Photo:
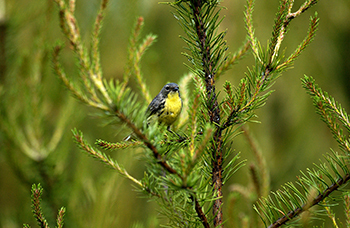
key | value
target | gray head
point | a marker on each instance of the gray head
(170, 87)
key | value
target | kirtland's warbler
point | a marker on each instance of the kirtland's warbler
(166, 106)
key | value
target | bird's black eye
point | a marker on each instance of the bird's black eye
(167, 87)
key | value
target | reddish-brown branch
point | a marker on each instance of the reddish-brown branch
(145, 140)
(36, 198)
(213, 111)
(292, 214)
(200, 212)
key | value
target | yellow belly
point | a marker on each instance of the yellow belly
(172, 109)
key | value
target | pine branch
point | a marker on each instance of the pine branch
(254, 100)
(292, 201)
(248, 18)
(200, 212)
(253, 90)
(37, 191)
(117, 101)
(347, 209)
(71, 29)
(92, 82)
(310, 36)
(146, 141)
(71, 86)
(135, 54)
(60, 216)
(119, 145)
(128, 71)
(95, 38)
(320, 197)
(279, 28)
(213, 107)
(331, 215)
(200, 21)
(307, 4)
(148, 41)
(78, 136)
(337, 171)
(284, 17)
(329, 110)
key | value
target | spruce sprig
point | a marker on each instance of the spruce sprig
(325, 178)
(91, 79)
(314, 21)
(78, 137)
(135, 52)
(254, 89)
(60, 217)
(207, 47)
(37, 192)
(288, 203)
(331, 112)
(347, 208)
(118, 145)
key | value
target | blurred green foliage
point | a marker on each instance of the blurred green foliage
(95, 196)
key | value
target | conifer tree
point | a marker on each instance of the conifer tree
(186, 171)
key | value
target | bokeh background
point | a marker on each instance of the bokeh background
(34, 102)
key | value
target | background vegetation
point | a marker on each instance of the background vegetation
(290, 135)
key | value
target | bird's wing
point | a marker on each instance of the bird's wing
(156, 104)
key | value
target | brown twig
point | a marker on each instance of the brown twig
(200, 212)
(320, 197)
(145, 140)
(36, 200)
(288, 18)
(213, 111)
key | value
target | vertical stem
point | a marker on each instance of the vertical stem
(217, 177)
(3, 26)
(347, 209)
(213, 111)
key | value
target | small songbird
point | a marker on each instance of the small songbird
(166, 106)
